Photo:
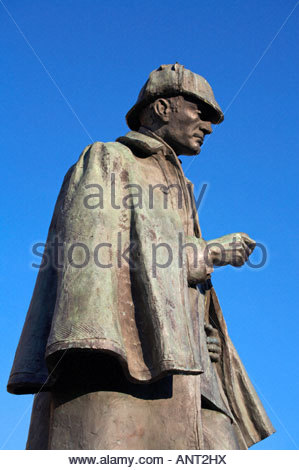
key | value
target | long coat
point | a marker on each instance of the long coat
(121, 283)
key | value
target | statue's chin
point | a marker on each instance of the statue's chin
(183, 148)
(191, 151)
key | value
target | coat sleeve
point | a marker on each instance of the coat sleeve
(199, 264)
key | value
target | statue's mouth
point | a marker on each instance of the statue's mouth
(199, 138)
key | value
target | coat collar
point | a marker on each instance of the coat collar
(143, 142)
(148, 143)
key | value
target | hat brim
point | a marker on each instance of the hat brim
(214, 113)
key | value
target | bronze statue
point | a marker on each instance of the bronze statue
(124, 344)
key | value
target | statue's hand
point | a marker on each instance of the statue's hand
(213, 342)
(233, 249)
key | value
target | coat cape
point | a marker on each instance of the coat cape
(140, 316)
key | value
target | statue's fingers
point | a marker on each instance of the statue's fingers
(214, 348)
(249, 241)
(214, 357)
(213, 340)
(208, 328)
(247, 250)
(243, 254)
(239, 257)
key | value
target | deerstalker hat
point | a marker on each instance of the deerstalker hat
(173, 80)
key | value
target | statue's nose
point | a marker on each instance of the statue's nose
(206, 127)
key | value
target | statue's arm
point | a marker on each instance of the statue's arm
(199, 261)
(202, 255)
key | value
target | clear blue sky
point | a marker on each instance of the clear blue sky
(99, 53)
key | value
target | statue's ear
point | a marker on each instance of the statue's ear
(162, 109)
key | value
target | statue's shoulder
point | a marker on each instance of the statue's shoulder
(125, 147)
(100, 156)
(106, 149)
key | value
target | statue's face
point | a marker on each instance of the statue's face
(187, 127)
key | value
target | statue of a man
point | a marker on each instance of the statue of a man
(124, 343)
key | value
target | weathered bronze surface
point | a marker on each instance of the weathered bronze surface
(125, 344)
